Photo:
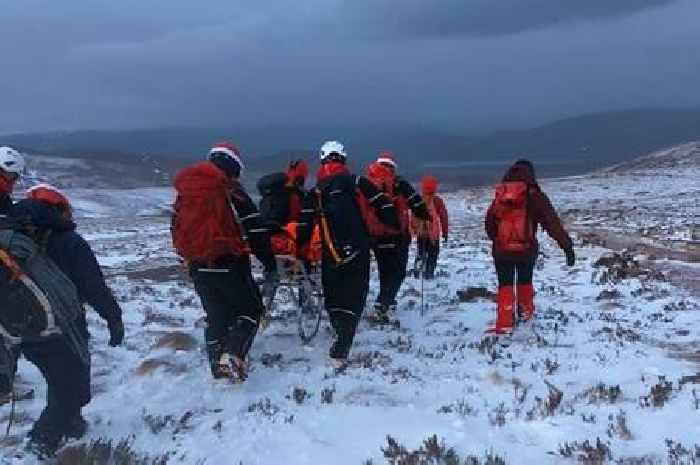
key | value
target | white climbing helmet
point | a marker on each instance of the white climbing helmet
(11, 160)
(332, 147)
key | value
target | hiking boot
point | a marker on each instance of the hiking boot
(215, 352)
(231, 367)
(43, 444)
(77, 428)
(381, 313)
(526, 302)
(239, 369)
(338, 364)
(504, 316)
(221, 368)
(339, 351)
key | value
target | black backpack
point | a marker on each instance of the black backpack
(343, 230)
(274, 202)
(37, 300)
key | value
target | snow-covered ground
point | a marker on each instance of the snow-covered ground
(614, 354)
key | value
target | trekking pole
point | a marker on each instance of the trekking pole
(422, 292)
(421, 270)
(11, 420)
(516, 312)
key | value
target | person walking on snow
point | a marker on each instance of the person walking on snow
(288, 210)
(341, 200)
(512, 220)
(11, 168)
(67, 376)
(428, 232)
(390, 246)
(215, 226)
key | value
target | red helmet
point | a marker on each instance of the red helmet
(429, 184)
(226, 156)
(386, 157)
(379, 171)
(297, 170)
(49, 194)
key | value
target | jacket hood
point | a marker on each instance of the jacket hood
(42, 215)
(330, 169)
(521, 171)
(297, 172)
(381, 175)
(429, 185)
(6, 186)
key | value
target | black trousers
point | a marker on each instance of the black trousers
(345, 295)
(233, 306)
(8, 367)
(428, 251)
(506, 270)
(68, 386)
(392, 260)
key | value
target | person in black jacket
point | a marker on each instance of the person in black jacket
(285, 202)
(219, 263)
(67, 377)
(390, 246)
(11, 167)
(346, 242)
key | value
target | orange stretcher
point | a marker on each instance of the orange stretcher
(285, 243)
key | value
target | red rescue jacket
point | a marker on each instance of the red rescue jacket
(540, 212)
(386, 181)
(439, 222)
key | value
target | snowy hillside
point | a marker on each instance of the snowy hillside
(609, 374)
(97, 172)
(681, 156)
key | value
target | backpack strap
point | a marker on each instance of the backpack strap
(326, 230)
(12, 265)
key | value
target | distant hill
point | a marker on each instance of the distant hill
(573, 145)
(568, 146)
(362, 142)
(676, 157)
(596, 139)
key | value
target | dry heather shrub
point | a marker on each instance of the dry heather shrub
(678, 454)
(601, 393)
(105, 452)
(618, 426)
(432, 452)
(586, 453)
(659, 394)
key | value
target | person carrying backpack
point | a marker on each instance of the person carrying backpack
(215, 227)
(428, 232)
(389, 245)
(346, 242)
(50, 215)
(11, 168)
(512, 220)
(288, 210)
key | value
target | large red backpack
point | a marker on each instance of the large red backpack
(385, 180)
(204, 226)
(515, 229)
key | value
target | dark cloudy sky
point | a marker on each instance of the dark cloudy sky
(453, 63)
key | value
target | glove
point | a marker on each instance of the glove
(116, 332)
(270, 284)
(444, 238)
(570, 257)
